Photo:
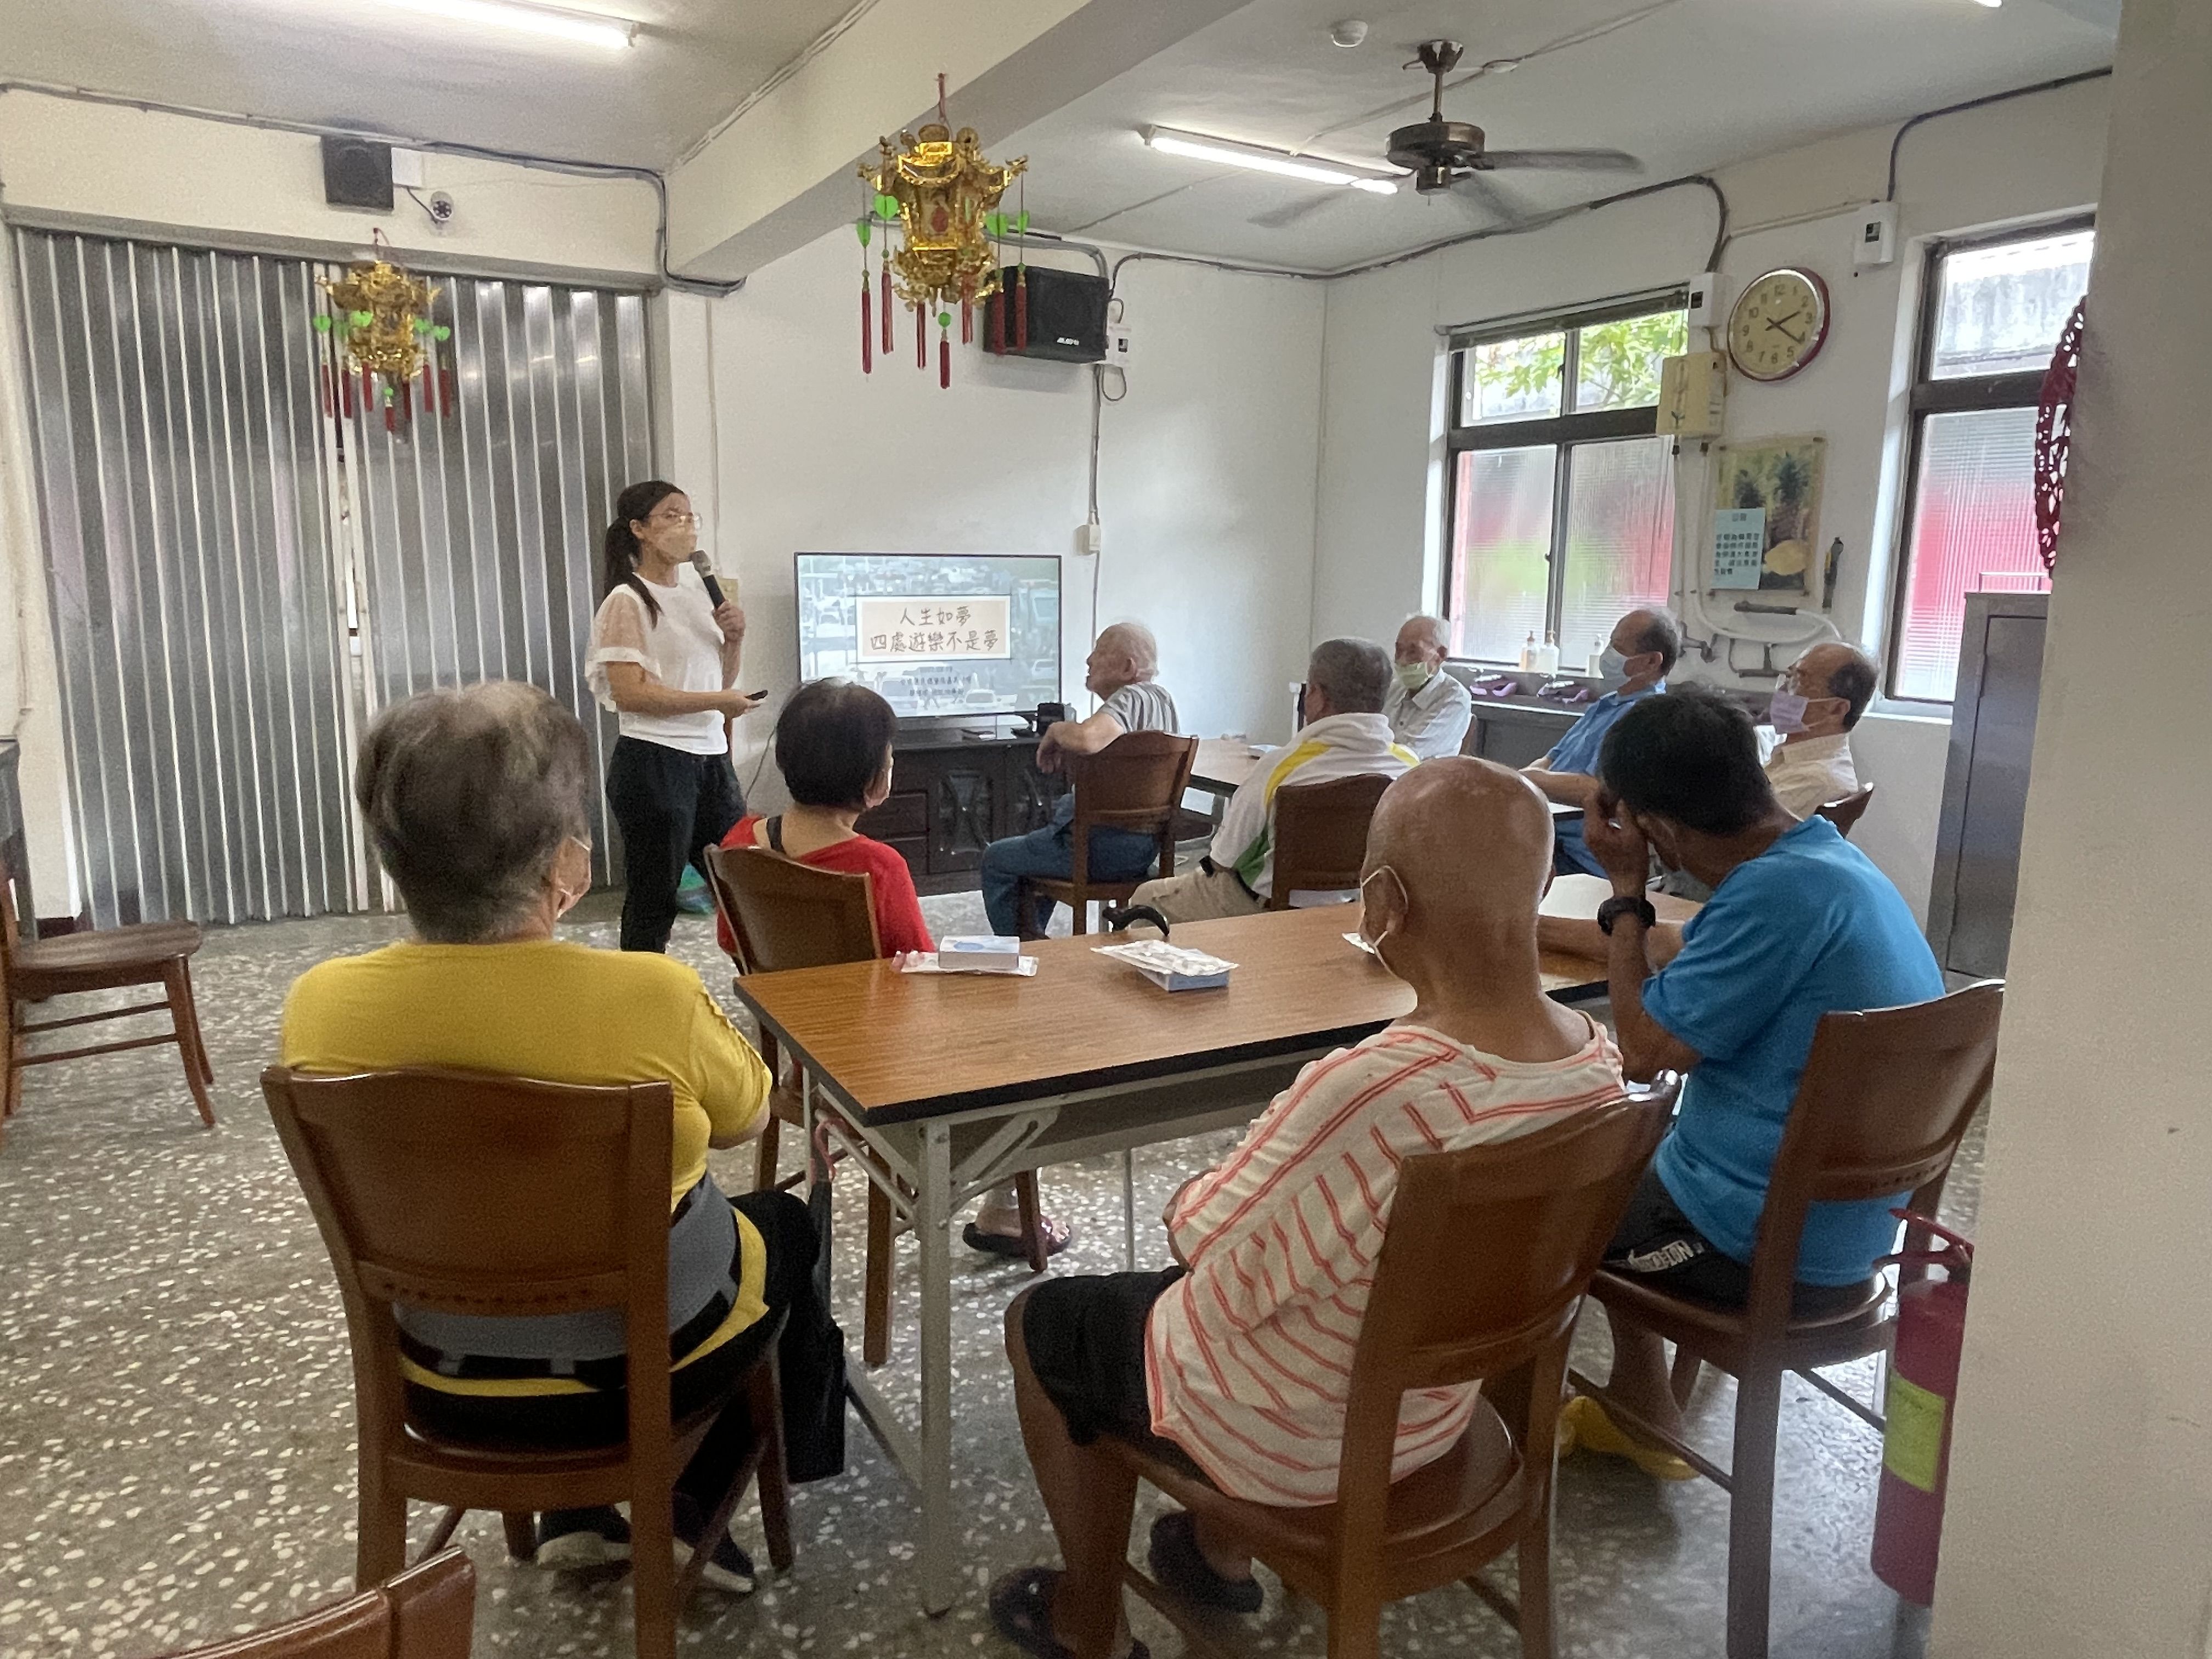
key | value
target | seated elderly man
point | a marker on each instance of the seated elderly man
(1816, 702)
(479, 804)
(1633, 665)
(1428, 709)
(1221, 1355)
(1345, 736)
(1800, 923)
(1120, 669)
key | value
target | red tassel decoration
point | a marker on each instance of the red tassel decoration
(867, 329)
(996, 306)
(444, 390)
(945, 362)
(966, 323)
(330, 401)
(345, 394)
(368, 389)
(890, 343)
(920, 337)
(1022, 309)
(390, 418)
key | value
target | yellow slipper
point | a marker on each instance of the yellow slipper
(1583, 1422)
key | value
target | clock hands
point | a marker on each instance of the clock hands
(1794, 339)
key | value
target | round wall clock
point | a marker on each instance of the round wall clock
(1778, 323)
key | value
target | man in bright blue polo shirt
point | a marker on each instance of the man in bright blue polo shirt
(1635, 664)
(1800, 923)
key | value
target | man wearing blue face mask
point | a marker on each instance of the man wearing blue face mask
(1816, 702)
(1637, 660)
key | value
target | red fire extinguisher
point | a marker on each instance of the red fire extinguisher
(1923, 1382)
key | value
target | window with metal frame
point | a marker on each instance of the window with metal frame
(1559, 515)
(1991, 313)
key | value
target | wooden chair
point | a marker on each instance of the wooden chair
(1134, 784)
(149, 953)
(785, 916)
(428, 1611)
(1884, 1099)
(1846, 810)
(1320, 834)
(464, 1191)
(1544, 1205)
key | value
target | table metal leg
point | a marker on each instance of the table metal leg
(933, 1232)
(1129, 1208)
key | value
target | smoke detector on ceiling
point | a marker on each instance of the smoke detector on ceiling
(1348, 32)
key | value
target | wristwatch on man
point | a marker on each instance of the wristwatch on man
(1625, 905)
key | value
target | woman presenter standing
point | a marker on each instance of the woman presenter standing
(664, 657)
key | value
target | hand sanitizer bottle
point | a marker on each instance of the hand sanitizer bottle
(1529, 653)
(1548, 656)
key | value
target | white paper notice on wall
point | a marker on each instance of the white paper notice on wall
(1739, 546)
(933, 627)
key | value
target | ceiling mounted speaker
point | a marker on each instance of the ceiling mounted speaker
(357, 173)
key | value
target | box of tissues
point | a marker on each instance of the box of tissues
(979, 953)
(1170, 966)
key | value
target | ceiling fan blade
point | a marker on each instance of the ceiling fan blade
(1291, 212)
(1563, 160)
(1499, 204)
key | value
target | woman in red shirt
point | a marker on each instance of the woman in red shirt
(833, 746)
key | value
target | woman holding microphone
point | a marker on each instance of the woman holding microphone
(664, 657)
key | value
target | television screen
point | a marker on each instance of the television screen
(935, 633)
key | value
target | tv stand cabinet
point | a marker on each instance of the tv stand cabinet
(958, 786)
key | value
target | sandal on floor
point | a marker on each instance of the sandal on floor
(1021, 1608)
(1586, 1420)
(1181, 1568)
(1058, 1236)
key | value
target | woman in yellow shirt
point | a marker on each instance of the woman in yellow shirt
(477, 801)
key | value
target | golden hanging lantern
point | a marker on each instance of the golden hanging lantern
(942, 193)
(380, 318)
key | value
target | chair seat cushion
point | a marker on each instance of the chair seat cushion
(147, 944)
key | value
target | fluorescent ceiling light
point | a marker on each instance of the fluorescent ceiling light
(1260, 159)
(582, 27)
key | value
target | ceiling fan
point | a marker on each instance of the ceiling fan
(1453, 156)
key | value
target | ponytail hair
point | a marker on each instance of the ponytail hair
(637, 501)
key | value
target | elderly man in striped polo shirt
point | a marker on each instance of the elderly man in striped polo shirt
(1240, 1355)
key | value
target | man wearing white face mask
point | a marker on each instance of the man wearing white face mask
(1222, 1353)
(1429, 711)
(1635, 664)
(1816, 702)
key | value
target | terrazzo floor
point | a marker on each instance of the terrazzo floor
(176, 1458)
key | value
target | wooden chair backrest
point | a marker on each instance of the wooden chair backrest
(10, 938)
(1847, 810)
(1482, 1270)
(470, 1193)
(1135, 783)
(786, 914)
(1320, 834)
(428, 1611)
(1884, 1101)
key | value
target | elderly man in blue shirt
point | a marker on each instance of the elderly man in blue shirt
(1635, 664)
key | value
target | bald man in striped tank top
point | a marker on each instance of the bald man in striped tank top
(1239, 1357)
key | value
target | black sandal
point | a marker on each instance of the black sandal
(1181, 1568)
(1021, 1608)
(1058, 1236)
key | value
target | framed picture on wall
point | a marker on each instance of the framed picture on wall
(1778, 479)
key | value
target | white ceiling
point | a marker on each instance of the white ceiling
(1689, 86)
(360, 63)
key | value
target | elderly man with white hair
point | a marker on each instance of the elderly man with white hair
(1428, 709)
(1120, 671)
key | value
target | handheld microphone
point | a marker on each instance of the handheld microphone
(704, 566)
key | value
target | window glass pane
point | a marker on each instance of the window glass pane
(2003, 307)
(1973, 529)
(1512, 379)
(1501, 550)
(1618, 363)
(1620, 540)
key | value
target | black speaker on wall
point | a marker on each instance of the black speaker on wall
(357, 173)
(1067, 314)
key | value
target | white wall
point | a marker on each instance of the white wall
(2079, 1521)
(1205, 470)
(1377, 553)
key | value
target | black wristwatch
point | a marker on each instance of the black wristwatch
(1625, 905)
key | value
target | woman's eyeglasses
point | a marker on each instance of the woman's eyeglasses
(691, 518)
